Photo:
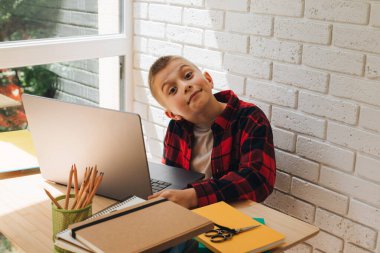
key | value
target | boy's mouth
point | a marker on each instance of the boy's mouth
(192, 95)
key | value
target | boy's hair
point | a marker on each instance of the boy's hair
(157, 66)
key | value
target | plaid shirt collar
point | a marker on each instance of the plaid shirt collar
(229, 113)
(223, 121)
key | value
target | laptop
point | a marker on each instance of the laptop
(65, 133)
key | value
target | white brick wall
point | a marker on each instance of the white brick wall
(248, 23)
(297, 166)
(203, 18)
(247, 66)
(375, 14)
(226, 41)
(290, 205)
(300, 248)
(236, 5)
(336, 10)
(284, 140)
(354, 138)
(159, 47)
(368, 167)
(349, 230)
(149, 28)
(281, 95)
(313, 67)
(357, 38)
(365, 214)
(334, 60)
(326, 242)
(329, 107)
(184, 34)
(225, 81)
(203, 57)
(319, 196)
(298, 122)
(283, 181)
(165, 13)
(351, 248)
(356, 89)
(305, 31)
(300, 77)
(275, 49)
(326, 153)
(373, 67)
(351, 185)
(275, 7)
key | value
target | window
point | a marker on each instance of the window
(41, 19)
(85, 44)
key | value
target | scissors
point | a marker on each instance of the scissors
(224, 233)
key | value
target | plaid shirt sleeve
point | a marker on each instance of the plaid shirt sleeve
(254, 176)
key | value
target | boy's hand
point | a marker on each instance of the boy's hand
(186, 198)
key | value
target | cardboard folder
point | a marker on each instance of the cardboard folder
(255, 240)
(152, 226)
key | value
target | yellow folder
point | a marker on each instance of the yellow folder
(255, 240)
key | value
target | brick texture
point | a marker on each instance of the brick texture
(313, 67)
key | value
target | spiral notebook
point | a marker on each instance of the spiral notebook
(64, 239)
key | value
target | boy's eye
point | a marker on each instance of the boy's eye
(172, 90)
(188, 75)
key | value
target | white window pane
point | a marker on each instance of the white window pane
(41, 19)
(93, 82)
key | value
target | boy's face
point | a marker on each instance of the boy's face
(183, 90)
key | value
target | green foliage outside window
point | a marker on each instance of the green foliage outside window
(22, 20)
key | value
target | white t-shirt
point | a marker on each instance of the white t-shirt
(201, 153)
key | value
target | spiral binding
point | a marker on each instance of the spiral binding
(109, 209)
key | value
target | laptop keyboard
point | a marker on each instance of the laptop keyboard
(158, 185)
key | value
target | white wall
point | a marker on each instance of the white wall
(313, 66)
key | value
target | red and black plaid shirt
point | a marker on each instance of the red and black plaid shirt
(242, 159)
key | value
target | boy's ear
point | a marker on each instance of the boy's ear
(208, 78)
(172, 115)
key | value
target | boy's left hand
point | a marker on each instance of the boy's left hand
(186, 198)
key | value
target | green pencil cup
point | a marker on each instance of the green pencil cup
(62, 218)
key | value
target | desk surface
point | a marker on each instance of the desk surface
(25, 214)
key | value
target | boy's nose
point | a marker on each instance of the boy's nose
(188, 87)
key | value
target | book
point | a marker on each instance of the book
(64, 239)
(152, 226)
(256, 240)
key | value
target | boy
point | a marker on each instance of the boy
(228, 140)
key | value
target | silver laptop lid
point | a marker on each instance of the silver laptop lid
(65, 133)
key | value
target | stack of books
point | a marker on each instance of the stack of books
(134, 225)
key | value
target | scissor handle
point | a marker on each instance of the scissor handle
(221, 237)
(218, 235)
(212, 232)
(215, 232)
